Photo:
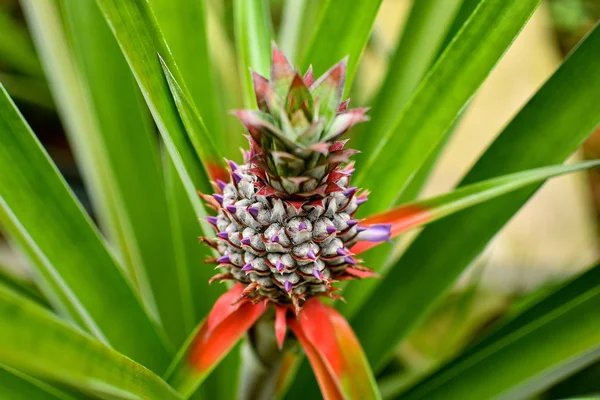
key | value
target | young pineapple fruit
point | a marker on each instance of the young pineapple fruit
(285, 219)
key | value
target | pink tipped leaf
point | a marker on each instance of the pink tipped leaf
(261, 90)
(227, 322)
(256, 122)
(299, 98)
(344, 121)
(328, 90)
(309, 78)
(269, 101)
(334, 352)
(282, 72)
(409, 216)
(343, 106)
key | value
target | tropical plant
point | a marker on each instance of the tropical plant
(118, 308)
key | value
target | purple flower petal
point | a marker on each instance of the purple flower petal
(331, 229)
(311, 255)
(232, 165)
(253, 211)
(237, 177)
(361, 200)
(218, 197)
(246, 241)
(361, 228)
(302, 226)
(231, 208)
(349, 260)
(275, 239)
(224, 259)
(376, 233)
(351, 222)
(288, 286)
(223, 235)
(212, 220)
(247, 267)
(350, 191)
(318, 274)
(341, 252)
(221, 184)
(279, 265)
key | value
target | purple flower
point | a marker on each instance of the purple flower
(376, 233)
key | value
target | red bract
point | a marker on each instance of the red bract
(332, 348)
(228, 321)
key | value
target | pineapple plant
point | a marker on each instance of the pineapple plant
(121, 306)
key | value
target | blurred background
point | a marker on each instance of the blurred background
(553, 237)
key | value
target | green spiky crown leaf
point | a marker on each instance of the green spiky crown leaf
(294, 133)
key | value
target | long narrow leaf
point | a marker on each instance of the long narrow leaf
(38, 343)
(75, 107)
(194, 275)
(560, 322)
(253, 42)
(425, 29)
(184, 26)
(545, 131)
(126, 130)
(343, 30)
(141, 41)
(15, 385)
(423, 212)
(16, 50)
(43, 217)
(291, 27)
(21, 285)
(379, 258)
(419, 179)
(444, 92)
(32, 90)
(201, 140)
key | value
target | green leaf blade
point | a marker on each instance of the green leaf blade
(444, 92)
(252, 28)
(184, 26)
(343, 30)
(426, 211)
(18, 386)
(16, 50)
(65, 355)
(41, 214)
(559, 322)
(201, 140)
(419, 44)
(140, 40)
(543, 120)
(125, 129)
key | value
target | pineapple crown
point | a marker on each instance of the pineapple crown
(294, 133)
